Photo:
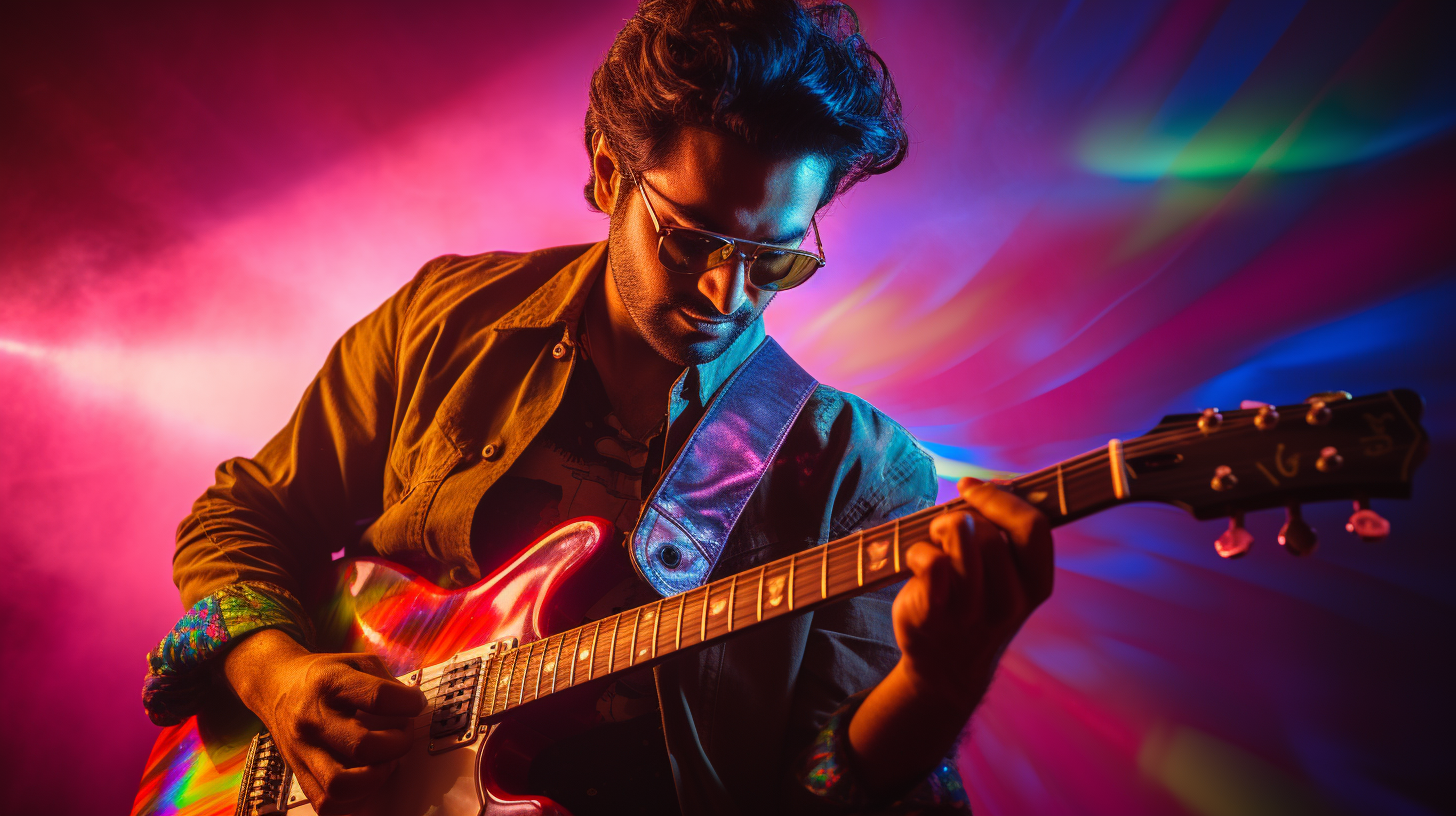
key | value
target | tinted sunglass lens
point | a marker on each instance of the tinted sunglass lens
(776, 271)
(691, 253)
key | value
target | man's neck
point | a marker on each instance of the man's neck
(635, 376)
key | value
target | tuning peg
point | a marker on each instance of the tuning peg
(1209, 420)
(1235, 541)
(1296, 536)
(1367, 523)
(1266, 417)
(1329, 460)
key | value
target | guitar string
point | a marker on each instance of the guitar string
(1076, 469)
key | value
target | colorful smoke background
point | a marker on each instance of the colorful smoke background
(1113, 210)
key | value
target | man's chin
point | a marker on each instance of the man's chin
(693, 345)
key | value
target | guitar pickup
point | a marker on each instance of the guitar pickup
(454, 690)
(455, 699)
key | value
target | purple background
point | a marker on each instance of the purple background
(1111, 211)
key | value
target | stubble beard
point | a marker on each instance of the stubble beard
(652, 317)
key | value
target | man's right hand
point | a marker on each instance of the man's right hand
(340, 720)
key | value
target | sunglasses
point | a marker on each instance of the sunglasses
(690, 251)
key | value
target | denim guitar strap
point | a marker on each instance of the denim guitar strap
(685, 523)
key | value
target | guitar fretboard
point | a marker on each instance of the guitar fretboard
(848, 566)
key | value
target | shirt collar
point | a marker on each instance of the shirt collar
(563, 297)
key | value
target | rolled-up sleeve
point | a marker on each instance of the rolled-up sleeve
(850, 648)
(269, 522)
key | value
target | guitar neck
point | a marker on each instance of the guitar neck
(840, 569)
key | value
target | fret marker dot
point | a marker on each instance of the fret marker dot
(503, 682)
(642, 652)
(776, 590)
(647, 616)
(1036, 496)
(877, 552)
(718, 606)
(584, 653)
(549, 666)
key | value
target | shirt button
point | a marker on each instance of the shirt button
(559, 351)
(490, 451)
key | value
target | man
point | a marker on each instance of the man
(496, 395)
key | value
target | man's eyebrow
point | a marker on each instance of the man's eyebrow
(697, 219)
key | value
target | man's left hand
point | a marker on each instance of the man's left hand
(975, 583)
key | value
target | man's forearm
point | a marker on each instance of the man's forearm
(901, 732)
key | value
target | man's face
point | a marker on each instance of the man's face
(710, 182)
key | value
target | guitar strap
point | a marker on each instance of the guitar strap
(686, 521)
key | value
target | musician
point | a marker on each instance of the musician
(494, 396)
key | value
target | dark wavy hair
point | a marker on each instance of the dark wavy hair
(786, 78)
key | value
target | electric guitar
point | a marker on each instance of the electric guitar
(487, 654)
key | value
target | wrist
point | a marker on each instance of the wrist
(947, 692)
(252, 661)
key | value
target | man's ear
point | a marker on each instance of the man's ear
(607, 178)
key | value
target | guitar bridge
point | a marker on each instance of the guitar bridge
(266, 779)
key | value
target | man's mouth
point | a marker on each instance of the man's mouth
(704, 317)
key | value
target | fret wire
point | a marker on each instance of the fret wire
(612, 650)
(575, 647)
(492, 674)
(522, 698)
(544, 649)
(707, 592)
(496, 703)
(824, 575)
(896, 547)
(656, 625)
(732, 591)
(556, 668)
(681, 608)
(860, 556)
(791, 582)
(511, 678)
(632, 647)
(761, 571)
(591, 657)
(540, 663)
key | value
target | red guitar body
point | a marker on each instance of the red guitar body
(195, 768)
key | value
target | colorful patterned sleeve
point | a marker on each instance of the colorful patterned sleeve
(827, 771)
(180, 668)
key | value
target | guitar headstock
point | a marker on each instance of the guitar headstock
(1332, 446)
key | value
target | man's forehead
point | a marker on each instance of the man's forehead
(731, 188)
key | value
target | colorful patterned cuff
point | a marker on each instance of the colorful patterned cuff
(828, 773)
(179, 670)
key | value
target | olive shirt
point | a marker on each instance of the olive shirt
(426, 402)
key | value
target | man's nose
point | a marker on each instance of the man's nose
(726, 284)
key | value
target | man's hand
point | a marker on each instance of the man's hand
(340, 720)
(974, 584)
